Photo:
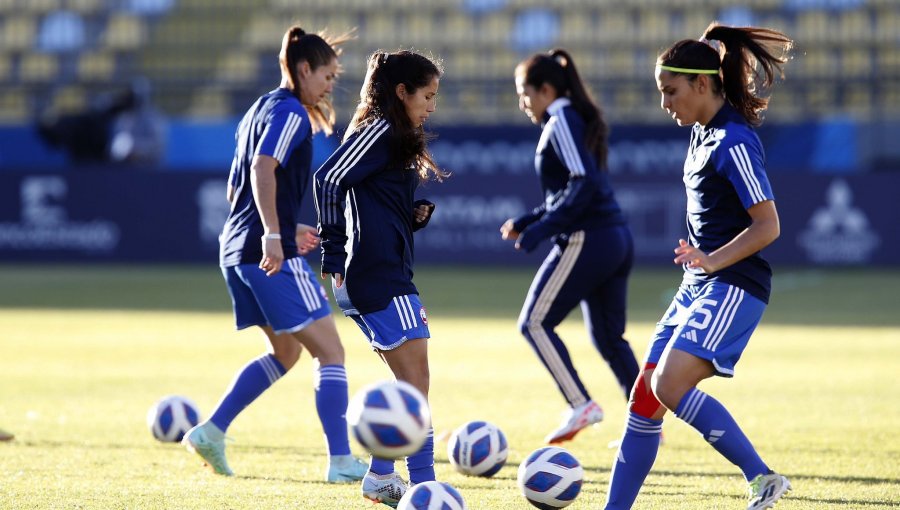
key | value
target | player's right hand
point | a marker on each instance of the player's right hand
(338, 278)
(273, 256)
(508, 231)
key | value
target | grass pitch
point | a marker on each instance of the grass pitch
(85, 350)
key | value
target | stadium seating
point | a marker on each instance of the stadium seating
(212, 57)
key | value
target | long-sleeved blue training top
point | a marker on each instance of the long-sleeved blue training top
(577, 193)
(365, 207)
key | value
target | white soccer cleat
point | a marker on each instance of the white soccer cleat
(386, 489)
(211, 450)
(574, 420)
(765, 490)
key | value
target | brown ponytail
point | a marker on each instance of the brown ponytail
(752, 57)
(558, 70)
(317, 50)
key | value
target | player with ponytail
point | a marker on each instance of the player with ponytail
(261, 248)
(717, 85)
(593, 250)
(365, 198)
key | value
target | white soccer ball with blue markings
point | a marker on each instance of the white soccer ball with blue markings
(390, 419)
(477, 448)
(172, 416)
(550, 477)
(432, 496)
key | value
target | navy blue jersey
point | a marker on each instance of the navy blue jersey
(277, 125)
(365, 207)
(577, 193)
(724, 175)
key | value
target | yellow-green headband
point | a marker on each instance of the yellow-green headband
(688, 71)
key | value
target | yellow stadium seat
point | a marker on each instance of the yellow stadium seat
(887, 25)
(69, 99)
(379, 30)
(456, 26)
(14, 106)
(577, 29)
(85, 6)
(814, 26)
(124, 32)
(889, 100)
(6, 67)
(855, 27)
(38, 68)
(18, 33)
(96, 67)
(238, 67)
(856, 62)
(40, 6)
(264, 32)
(889, 61)
(494, 28)
(653, 28)
(210, 102)
(858, 101)
(613, 27)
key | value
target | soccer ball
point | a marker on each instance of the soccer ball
(390, 419)
(550, 478)
(432, 496)
(477, 448)
(171, 417)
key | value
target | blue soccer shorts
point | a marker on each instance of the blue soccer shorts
(712, 320)
(403, 319)
(288, 301)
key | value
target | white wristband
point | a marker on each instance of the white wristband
(273, 237)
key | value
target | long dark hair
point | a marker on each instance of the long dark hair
(557, 68)
(378, 100)
(317, 50)
(751, 58)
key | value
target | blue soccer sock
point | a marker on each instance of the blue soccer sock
(716, 425)
(331, 403)
(255, 378)
(635, 457)
(381, 466)
(421, 463)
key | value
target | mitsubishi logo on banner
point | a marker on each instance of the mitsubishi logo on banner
(839, 232)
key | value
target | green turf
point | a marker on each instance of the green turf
(84, 351)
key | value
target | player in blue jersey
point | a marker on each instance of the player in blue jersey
(715, 85)
(367, 216)
(593, 249)
(271, 285)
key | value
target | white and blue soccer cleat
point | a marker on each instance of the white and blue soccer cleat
(345, 469)
(207, 441)
(386, 489)
(574, 420)
(765, 490)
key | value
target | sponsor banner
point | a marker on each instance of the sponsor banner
(177, 216)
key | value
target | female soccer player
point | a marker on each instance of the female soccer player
(713, 85)
(368, 251)
(593, 250)
(271, 286)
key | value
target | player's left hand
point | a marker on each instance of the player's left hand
(692, 257)
(307, 238)
(422, 211)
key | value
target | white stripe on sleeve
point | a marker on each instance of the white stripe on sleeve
(567, 146)
(742, 161)
(287, 134)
